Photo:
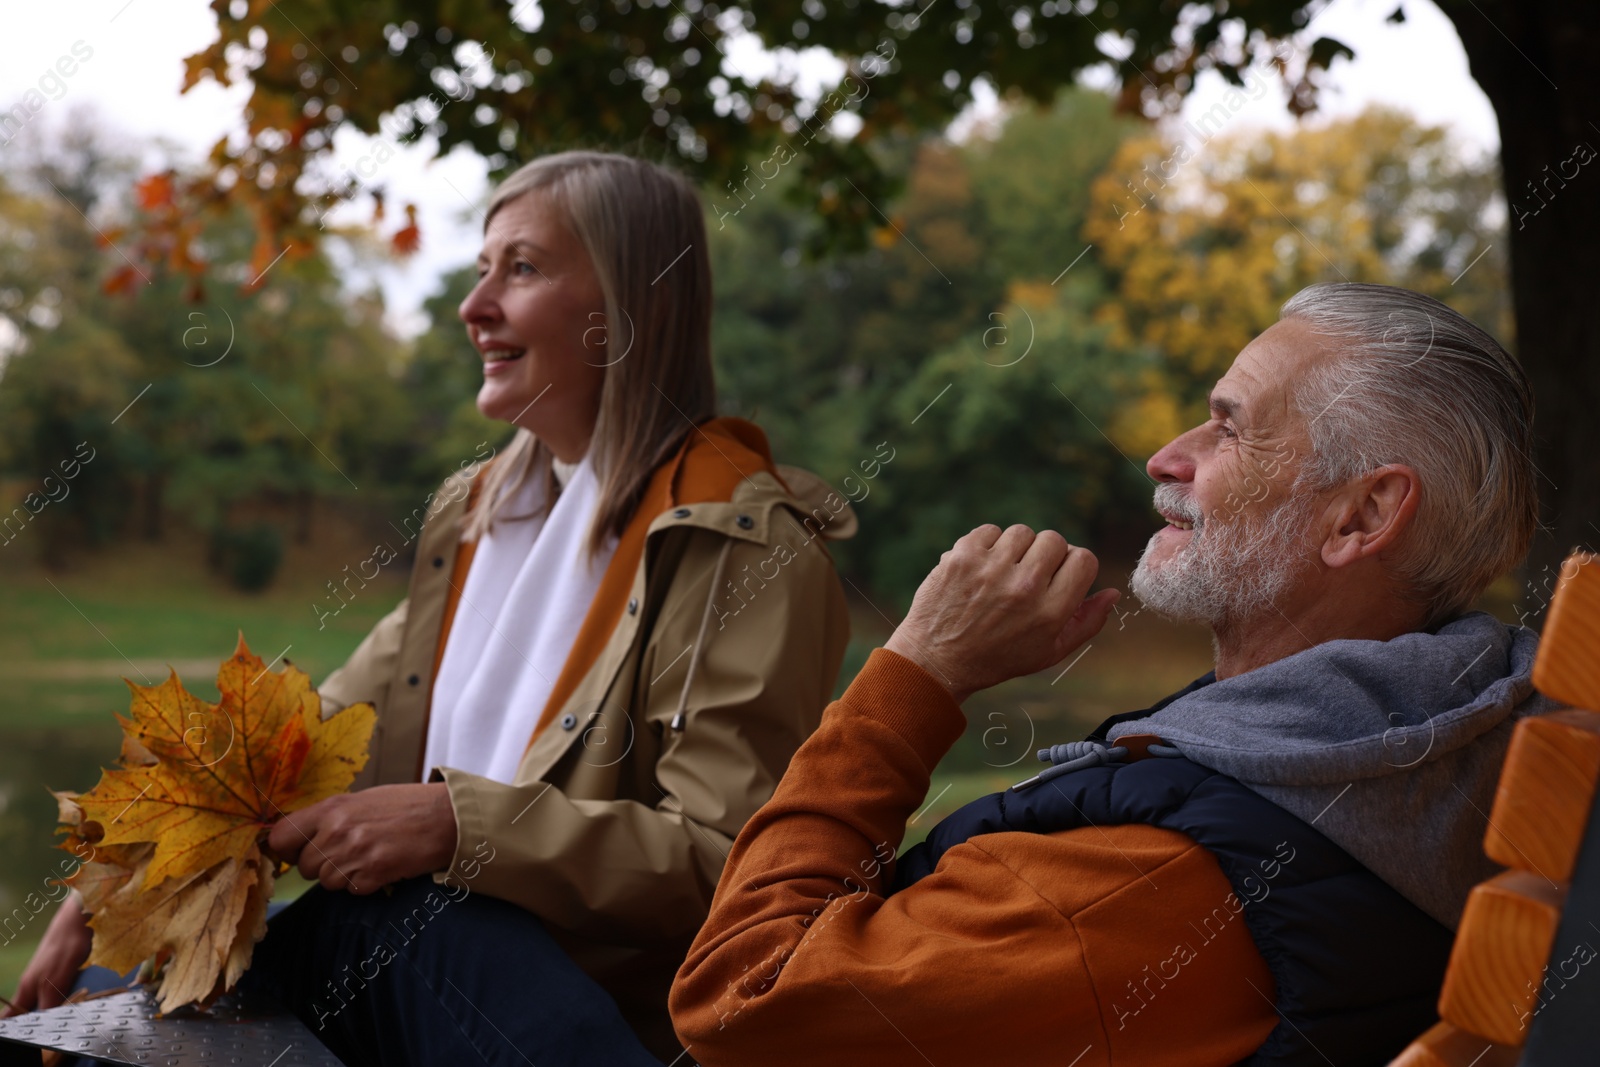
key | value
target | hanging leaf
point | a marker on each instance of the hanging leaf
(120, 280)
(154, 192)
(408, 239)
(177, 877)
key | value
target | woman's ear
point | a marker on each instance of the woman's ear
(1371, 514)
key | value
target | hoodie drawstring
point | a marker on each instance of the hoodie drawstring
(1077, 755)
(680, 716)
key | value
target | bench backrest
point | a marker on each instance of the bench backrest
(1524, 977)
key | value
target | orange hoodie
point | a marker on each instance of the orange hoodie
(1085, 947)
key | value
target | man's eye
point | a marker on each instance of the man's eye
(1226, 430)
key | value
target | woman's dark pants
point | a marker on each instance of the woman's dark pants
(429, 974)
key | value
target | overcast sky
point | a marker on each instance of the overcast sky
(135, 68)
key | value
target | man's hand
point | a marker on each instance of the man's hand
(56, 962)
(367, 840)
(999, 606)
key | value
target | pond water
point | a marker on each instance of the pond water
(33, 761)
(54, 734)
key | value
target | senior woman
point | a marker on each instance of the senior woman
(611, 646)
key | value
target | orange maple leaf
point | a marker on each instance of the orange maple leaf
(408, 239)
(120, 281)
(177, 873)
(154, 192)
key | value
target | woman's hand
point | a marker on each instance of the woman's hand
(56, 962)
(1001, 604)
(367, 840)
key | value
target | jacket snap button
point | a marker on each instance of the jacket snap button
(745, 522)
(681, 513)
(438, 561)
(633, 605)
(568, 721)
(413, 680)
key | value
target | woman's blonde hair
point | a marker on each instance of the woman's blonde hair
(644, 230)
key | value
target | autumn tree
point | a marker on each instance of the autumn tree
(65, 373)
(958, 346)
(1207, 241)
(656, 76)
(203, 410)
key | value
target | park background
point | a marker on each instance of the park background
(1034, 310)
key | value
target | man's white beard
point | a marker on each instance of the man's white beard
(1231, 571)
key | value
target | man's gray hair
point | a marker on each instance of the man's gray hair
(1417, 383)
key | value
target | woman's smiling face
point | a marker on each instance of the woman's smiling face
(537, 318)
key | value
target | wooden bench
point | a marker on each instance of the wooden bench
(1523, 984)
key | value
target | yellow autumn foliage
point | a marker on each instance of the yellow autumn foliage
(1207, 241)
(176, 874)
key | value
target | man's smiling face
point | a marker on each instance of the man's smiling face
(1235, 536)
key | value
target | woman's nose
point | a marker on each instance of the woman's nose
(479, 305)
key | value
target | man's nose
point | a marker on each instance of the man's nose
(1175, 461)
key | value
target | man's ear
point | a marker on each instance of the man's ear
(1371, 514)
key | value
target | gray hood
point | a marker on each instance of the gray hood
(1390, 748)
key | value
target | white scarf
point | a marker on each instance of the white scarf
(529, 587)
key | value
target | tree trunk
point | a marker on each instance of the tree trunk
(1539, 63)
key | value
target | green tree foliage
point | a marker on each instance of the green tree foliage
(1035, 176)
(978, 361)
(65, 373)
(1054, 369)
(510, 81)
(199, 410)
(1016, 432)
(951, 306)
(657, 76)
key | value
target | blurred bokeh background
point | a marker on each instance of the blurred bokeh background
(1026, 319)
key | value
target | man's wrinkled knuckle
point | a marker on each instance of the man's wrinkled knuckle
(1026, 591)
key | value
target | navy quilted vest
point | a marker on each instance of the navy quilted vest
(1357, 966)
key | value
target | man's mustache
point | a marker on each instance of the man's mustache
(1171, 500)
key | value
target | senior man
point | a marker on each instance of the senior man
(1266, 866)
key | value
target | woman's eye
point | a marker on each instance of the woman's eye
(525, 268)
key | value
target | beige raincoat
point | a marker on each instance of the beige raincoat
(625, 805)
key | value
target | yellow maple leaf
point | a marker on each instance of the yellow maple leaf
(176, 872)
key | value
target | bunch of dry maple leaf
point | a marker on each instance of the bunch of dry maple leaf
(174, 876)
